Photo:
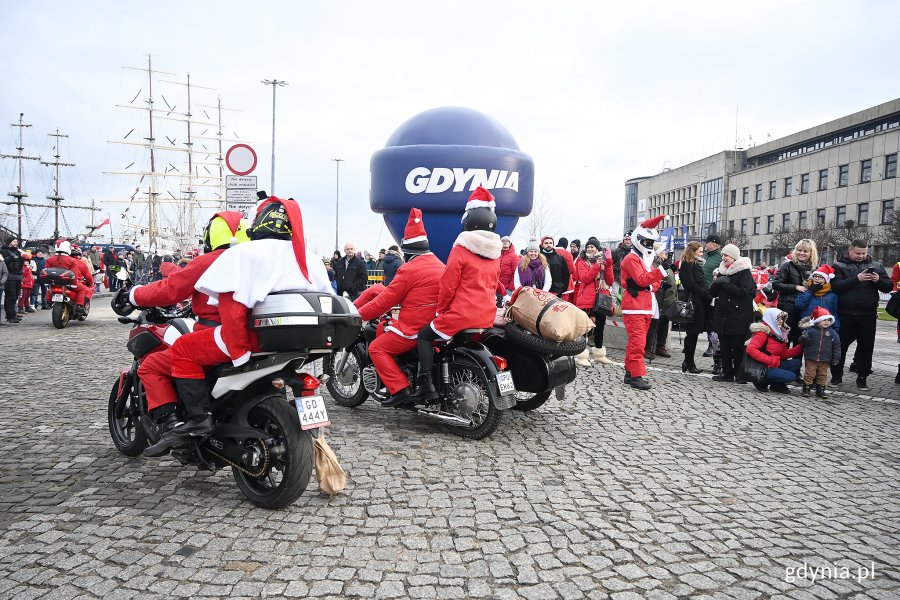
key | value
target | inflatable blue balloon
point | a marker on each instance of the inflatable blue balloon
(435, 160)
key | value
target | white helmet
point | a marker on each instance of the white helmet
(644, 236)
(63, 247)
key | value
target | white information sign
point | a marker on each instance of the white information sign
(239, 182)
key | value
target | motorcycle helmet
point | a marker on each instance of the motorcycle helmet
(644, 236)
(271, 222)
(63, 247)
(225, 229)
(76, 251)
(121, 303)
(480, 215)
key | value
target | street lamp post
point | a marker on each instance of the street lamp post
(337, 198)
(274, 83)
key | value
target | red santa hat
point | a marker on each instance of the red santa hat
(825, 272)
(415, 239)
(547, 237)
(819, 314)
(653, 222)
(295, 218)
(481, 198)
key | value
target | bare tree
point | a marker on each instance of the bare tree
(851, 230)
(782, 241)
(542, 220)
(734, 236)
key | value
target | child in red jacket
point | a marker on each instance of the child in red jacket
(27, 284)
(769, 345)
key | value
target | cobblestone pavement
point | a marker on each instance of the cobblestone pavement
(692, 490)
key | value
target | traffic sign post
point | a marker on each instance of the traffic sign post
(240, 188)
(240, 159)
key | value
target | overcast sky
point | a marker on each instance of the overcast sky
(596, 94)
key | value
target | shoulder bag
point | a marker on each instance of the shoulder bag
(682, 311)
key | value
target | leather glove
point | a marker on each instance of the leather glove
(722, 279)
(667, 264)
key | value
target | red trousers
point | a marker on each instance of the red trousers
(636, 326)
(192, 353)
(155, 372)
(382, 352)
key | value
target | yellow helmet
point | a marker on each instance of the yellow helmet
(226, 228)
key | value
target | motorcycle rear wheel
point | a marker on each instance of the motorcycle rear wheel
(287, 476)
(350, 393)
(526, 401)
(124, 418)
(485, 416)
(60, 315)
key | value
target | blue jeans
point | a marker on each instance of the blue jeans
(786, 372)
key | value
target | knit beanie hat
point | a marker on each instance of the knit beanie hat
(562, 243)
(577, 243)
(532, 245)
(592, 241)
(732, 251)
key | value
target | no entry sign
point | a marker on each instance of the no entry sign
(240, 159)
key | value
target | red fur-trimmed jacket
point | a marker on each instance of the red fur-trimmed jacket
(178, 286)
(82, 273)
(467, 298)
(586, 281)
(415, 288)
(633, 268)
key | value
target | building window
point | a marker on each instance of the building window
(786, 220)
(890, 166)
(823, 180)
(743, 225)
(745, 198)
(755, 225)
(804, 183)
(801, 220)
(733, 197)
(862, 214)
(788, 182)
(887, 211)
(820, 216)
(758, 192)
(730, 225)
(865, 171)
(772, 186)
(770, 223)
(841, 215)
(843, 175)
(712, 200)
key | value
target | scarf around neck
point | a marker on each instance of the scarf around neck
(533, 274)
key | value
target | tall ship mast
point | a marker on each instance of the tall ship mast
(174, 196)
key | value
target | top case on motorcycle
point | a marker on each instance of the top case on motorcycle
(57, 275)
(297, 321)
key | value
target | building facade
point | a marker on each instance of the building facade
(838, 172)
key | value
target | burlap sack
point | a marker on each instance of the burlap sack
(331, 476)
(543, 314)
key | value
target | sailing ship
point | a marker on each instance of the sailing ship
(20, 197)
(177, 163)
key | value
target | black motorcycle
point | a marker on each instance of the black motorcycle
(474, 385)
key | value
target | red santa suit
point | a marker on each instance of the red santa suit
(243, 276)
(637, 311)
(467, 297)
(155, 370)
(415, 288)
(83, 278)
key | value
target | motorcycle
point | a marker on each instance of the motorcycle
(264, 411)
(62, 287)
(474, 385)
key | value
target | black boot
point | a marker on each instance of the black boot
(723, 377)
(195, 396)
(628, 377)
(425, 390)
(805, 392)
(779, 388)
(639, 383)
(717, 365)
(401, 397)
(820, 391)
(689, 367)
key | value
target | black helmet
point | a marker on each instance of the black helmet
(121, 302)
(482, 218)
(271, 222)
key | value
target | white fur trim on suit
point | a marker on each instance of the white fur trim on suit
(393, 329)
(220, 344)
(444, 336)
(482, 243)
(131, 295)
(480, 204)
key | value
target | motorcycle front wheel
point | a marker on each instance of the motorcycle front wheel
(60, 315)
(290, 461)
(346, 388)
(124, 416)
(471, 396)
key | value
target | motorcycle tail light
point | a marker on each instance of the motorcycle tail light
(500, 362)
(310, 385)
(56, 290)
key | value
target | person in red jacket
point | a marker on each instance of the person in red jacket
(415, 288)
(467, 296)
(27, 284)
(224, 229)
(639, 281)
(83, 278)
(509, 259)
(769, 345)
(274, 260)
(594, 275)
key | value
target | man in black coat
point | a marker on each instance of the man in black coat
(13, 288)
(559, 270)
(857, 281)
(350, 273)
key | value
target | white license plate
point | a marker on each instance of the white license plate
(505, 381)
(57, 298)
(312, 412)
